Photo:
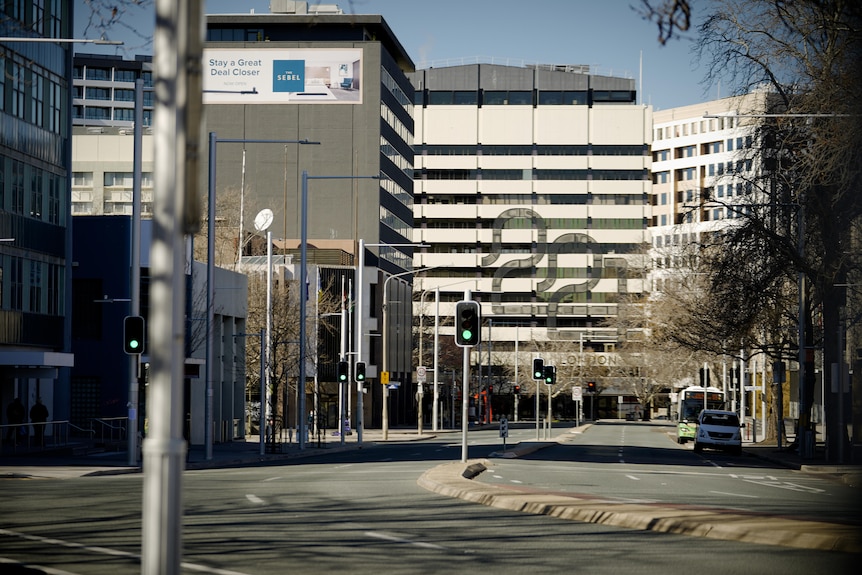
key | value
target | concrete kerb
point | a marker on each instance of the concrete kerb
(457, 480)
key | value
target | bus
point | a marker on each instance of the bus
(690, 402)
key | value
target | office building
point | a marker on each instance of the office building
(35, 220)
(531, 187)
(338, 80)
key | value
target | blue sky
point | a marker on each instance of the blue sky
(608, 35)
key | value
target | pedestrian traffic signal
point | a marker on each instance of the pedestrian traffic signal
(538, 368)
(550, 375)
(133, 335)
(467, 323)
(360, 372)
(517, 390)
(342, 371)
(591, 386)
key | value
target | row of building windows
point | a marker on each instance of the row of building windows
(532, 150)
(717, 147)
(696, 127)
(33, 286)
(711, 170)
(532, 174)
(516, 223)
(537, 272)
(586, 199)
(119, 114)
(533, 98)
(31, 191)
(106, 94)
(479, 248)
(44, 17)
(31, 93)
(110, 74)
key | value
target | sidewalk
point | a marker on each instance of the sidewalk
(65, 463)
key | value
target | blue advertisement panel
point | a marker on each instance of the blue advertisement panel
(282, 76)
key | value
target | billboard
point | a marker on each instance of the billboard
(282, 76)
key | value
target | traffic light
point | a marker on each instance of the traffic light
(342, 371)
(591, 386)
(467, 323)
(133, 335)
(538, 368)
(360, 372)
(704, 377)
(517, 390)
(550, 375)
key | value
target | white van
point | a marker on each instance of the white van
(717, 429)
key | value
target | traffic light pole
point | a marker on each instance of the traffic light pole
(465, 393)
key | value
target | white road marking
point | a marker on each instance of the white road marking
(271, 479)
(633, 478)
(396, 539)
(254, 498)
(735, 494)
(107, 551)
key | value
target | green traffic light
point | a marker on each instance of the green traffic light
(467, 335)
(134, 344)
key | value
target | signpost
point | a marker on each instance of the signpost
(577, 397)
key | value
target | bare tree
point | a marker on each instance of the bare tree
(808, 55)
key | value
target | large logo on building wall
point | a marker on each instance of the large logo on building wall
(559, 290)
(288, 75)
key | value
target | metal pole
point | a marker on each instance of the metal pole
(164, 448)
(343, 357)
(538, 393)
(385, 414)
(260, 417)
(435, 408)
(135, 287)
(210, 354)
(303, 296)
(465, 393)
(269, 351)
(360, 339)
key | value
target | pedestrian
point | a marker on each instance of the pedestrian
(38, 417)
(15, 416)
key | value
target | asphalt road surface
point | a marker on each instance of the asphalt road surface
(362, 512)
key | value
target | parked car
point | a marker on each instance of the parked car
(718, 429)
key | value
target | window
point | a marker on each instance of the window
(17, 187)
(124, 95)
(37, 96)
(17, 81)
(93, 113)
(36, 180)
(98, 74)
(98, 93)
(124, 75)
(124, 114)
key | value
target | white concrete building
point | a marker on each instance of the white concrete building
(531, 186)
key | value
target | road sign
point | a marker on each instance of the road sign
(393, 385)
(421, 374)
(384, 377)
(577, 393)
(504, 427)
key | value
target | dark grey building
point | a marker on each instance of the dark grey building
(338, 80)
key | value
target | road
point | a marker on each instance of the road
(361, 511)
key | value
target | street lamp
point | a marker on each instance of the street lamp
(386, 343)
(360, 334)
(303, 278)
(208, 405)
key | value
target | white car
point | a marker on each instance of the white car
(717, 429)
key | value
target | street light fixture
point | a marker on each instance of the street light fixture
(210, 353)
(303, 278)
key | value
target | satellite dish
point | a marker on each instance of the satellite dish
(263, 219)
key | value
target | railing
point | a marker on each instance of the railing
(27, 436)
(114, 427)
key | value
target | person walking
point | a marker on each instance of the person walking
(15, 416)
(38, 417)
